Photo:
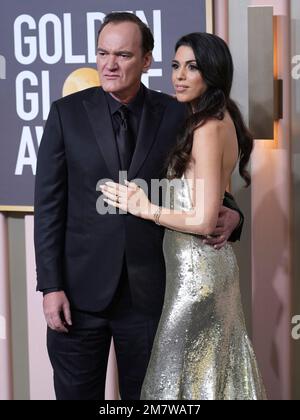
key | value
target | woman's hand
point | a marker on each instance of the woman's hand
(130, 198)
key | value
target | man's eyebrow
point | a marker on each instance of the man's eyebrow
(115, 52)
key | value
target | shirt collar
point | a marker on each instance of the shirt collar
(135, 106)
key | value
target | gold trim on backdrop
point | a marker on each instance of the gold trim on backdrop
(23, 209)
(209, 7)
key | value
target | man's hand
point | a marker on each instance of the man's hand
(227, 223)
(55, 305)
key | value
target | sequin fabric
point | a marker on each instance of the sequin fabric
(201, 350)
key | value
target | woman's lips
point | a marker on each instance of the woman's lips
(181, 88)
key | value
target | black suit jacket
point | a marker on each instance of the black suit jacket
(77, 249)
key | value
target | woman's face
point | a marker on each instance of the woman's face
(186, 77)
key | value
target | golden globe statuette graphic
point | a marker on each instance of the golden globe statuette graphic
(80, 79)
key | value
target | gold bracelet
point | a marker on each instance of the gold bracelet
(157, 216)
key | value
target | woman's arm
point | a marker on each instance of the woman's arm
(207, 153)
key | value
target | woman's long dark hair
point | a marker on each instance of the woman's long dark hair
(215, 64)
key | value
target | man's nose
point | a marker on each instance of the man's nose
(112, 62)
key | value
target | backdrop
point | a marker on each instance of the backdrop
(47, 49)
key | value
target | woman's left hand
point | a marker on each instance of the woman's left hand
(129, 197)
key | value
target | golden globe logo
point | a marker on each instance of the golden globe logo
(50, 39)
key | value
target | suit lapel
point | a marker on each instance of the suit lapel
(99, 118)
(150, 122)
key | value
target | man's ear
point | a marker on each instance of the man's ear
(147, 61)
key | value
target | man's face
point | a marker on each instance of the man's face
(120, 59)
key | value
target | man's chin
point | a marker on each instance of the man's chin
(109, 88)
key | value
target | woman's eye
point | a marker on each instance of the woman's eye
(174, 66)
(193, 67)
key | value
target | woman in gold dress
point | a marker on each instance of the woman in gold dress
(201, 350)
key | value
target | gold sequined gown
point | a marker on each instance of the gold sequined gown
(201, 350)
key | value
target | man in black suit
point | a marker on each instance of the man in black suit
(103, 275)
